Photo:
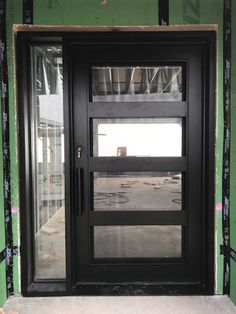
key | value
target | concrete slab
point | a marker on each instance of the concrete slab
(121, 305)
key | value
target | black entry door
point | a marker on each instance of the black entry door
(138, 165)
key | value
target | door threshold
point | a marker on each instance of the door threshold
(142, 289)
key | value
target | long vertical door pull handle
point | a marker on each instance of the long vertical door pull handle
(79, 179)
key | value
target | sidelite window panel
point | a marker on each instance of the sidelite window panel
(137, 137)
(48, 162)
(136, 83)
(137, 191)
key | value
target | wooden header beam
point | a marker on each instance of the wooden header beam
(74, 28)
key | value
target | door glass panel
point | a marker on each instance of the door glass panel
(137, 241)
(137, 191)
(136, 83)
(48, 158)
(137, 137)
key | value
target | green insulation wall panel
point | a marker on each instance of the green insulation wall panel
(96, 12)
(2, 221)
(233, 158)
(233, 281)
(3, 293)
(2, 230)
(209, 12)
(14, 16)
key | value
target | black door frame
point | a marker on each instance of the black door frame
(31, 287)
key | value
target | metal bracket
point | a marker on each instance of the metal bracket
(228, 252)
(233, 254)
(28, 11)
(163, 9)
(224, 250)
(6, 253)
(2, 255)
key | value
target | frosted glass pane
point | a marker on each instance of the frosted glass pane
(137, 241)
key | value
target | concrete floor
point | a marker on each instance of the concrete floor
(120, 305)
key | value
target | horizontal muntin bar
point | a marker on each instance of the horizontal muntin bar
(138, 164)
(132, 218)
(137, 110)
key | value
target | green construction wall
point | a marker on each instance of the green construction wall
(92, 12)
(14, 15)
(2, 233)
(210, 12)
(233, 158)
(126, 12)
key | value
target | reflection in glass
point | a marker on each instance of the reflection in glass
(137, 241)
(137, 191)
(136, 83)
(137, 137)
(49, 179)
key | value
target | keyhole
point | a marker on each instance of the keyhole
(79, 150)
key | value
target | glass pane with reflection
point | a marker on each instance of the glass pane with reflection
(48, 156)
(137, 137)
(136, 83)
(137, 241)
(137, 191)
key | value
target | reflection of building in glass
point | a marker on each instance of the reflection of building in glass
(137, 83)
